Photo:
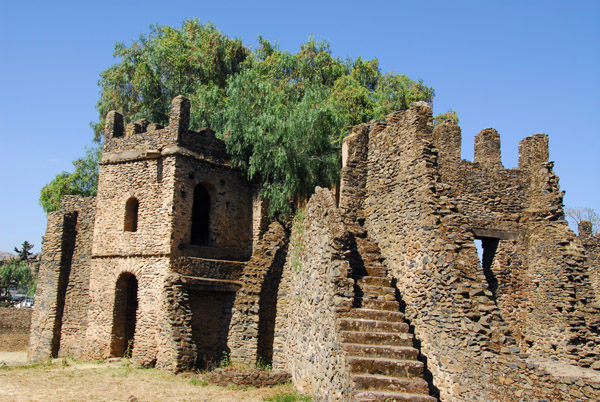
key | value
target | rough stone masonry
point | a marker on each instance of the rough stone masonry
(377, 296)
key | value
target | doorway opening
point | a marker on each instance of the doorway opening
(124, 315)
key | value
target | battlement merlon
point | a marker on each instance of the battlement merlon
(179, 118)
(448, 139)
(487, 149)
(533, 150)
(141, 139)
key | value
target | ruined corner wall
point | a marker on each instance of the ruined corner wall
(425, 227)
(252, 326)
(532, 261)
(430, 251)
(591, 244)
(60, 317)
(315, 286)
(560, 311)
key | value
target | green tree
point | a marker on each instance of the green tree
(83, 181)
(285, 115)
(195, 60)
(24, 254)
(14, 274)
(282, 115)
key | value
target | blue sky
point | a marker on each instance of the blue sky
(522, 67)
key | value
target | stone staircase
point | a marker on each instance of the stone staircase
(377, 341)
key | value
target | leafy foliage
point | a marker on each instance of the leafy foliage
(16, 274)
(194, 61)
(450, 115)
(282, 115)
(286, 113)
(83, 181)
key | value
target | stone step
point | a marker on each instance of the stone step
(378, 290)
(374, 304)
(386, 367)
(375, 296)
(377, 338)
(391, 352)
(366, 325)
(371, 314)
(366, 382)
(382, 396)
(376, 270)
(372, 258)
(373, 281)
(366, 246)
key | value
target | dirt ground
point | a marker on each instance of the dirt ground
(70, 380)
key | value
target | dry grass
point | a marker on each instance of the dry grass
(70, 380)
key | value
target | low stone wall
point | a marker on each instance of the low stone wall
(14, 328)
(314, 288)
(248, 378)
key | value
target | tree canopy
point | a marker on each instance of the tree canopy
(83, 181)
(282, 115)
(194, 61)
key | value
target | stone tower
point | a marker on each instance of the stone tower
(172, 231)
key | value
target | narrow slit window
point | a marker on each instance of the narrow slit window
(200, 216)
(131, 215)
(486, 249)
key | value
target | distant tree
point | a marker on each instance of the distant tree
(14, 274)
(24, 254)
(450, 115)
(579, 214)
(83, 181)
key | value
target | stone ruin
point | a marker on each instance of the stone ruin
(376, 294)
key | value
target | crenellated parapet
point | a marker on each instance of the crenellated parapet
(140, 139)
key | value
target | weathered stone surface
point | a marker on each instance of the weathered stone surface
(425, 206)
(315, 287)
(382, 298)
(248, 378)
(14, 328)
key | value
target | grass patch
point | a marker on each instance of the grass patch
(199, 382)
(287, 396)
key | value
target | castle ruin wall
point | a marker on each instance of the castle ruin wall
(315, 287)
(251, 330)
(425, 207)
(59, 319)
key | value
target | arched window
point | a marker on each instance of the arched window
(124, 315)
(200, 216)
(131, 215)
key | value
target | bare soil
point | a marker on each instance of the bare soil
(69, 380)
